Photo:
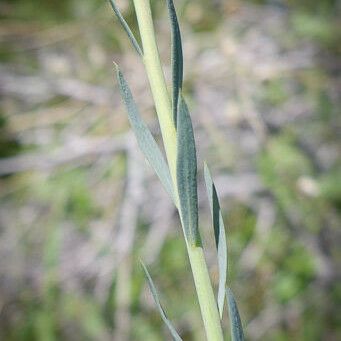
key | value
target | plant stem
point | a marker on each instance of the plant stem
(157, 81)
(207, 302)
(208, 306)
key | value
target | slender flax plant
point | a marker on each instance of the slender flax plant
(178, 173)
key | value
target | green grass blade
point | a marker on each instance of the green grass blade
(186, 169)
(235, 322)
(176, 57)
(172, 330)
(144, 137)
(220, 237)
(126, 28)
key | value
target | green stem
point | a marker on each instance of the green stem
(157, 81)
(208, 306)
(207, 302)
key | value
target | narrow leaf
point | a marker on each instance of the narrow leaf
(126, 27)
(144, 137)
(220, 237)
(235, 323)
(172, 330)
(186, 169)
(176, 58)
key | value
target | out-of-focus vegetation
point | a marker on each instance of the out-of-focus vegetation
(79, 206)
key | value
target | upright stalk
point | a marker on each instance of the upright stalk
(208, 306)
(157, 81)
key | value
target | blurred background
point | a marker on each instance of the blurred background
(80, 206)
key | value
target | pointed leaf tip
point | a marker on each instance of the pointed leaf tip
(154, 293)
(220, 236)
(235, 322)
(144, 137)
(126, 27)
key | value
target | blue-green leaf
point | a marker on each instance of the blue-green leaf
(176, 57)
(126, 27)
(186, 172)
(172, 330)
(220, 237)
(144, 137)
(235, 323)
